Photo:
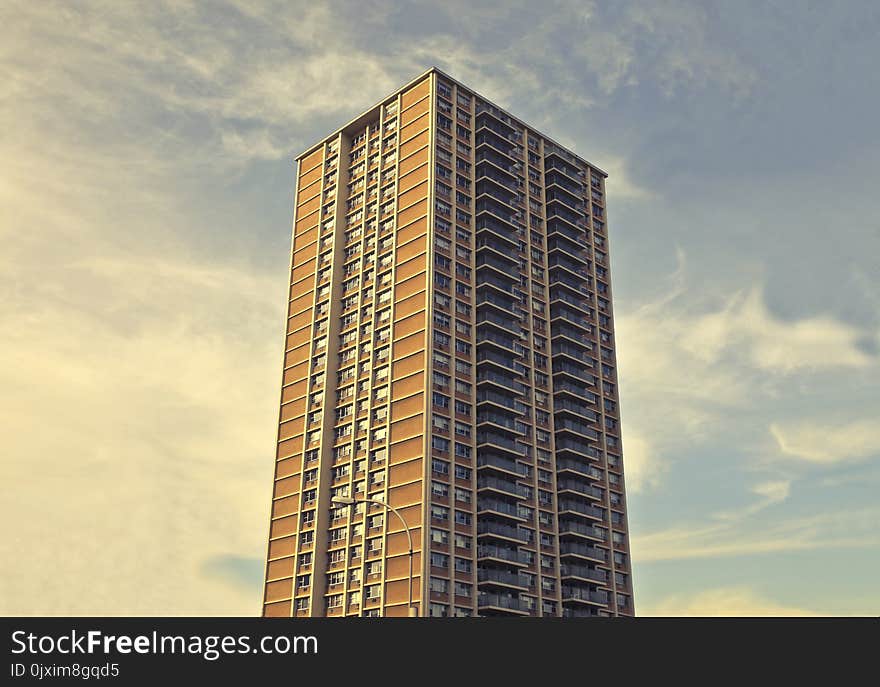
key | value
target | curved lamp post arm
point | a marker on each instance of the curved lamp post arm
(411, 609)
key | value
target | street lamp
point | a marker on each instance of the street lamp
(348, 501)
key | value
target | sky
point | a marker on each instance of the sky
(145, 213)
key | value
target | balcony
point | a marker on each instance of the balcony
(581, 508)
(504, 486)
(501, 577)
(486, 459)
(499, 421)
(569, 250)
(497, 192)
(489, 335)
(561, 282)
(577, 549)
(490, 529)
(580, 301)
(555, 209)
(561, 348)
(496, 250)
(580, 466)
(489, 355)
(571, 593)
(488, 115)
(576, 370)
(502, 162)
(492, 228)
(502, 553)
(565, 405)
(487, 167)
(511, 323)
(580, 487)
(567, 424)
(507, 304)
(571, 201)
(578, 389)
(554, 160)
(583, 572)
(489, 137)
(576, 333)
(487, 506)
(557, 228)
(487, 396)
(499, 602)
(498, 441)
(574, 445)
(499, 210)
(577, 267)
(506, 382)
(502, 262)
(576, 189)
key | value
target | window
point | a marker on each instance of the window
(439, 536)
(440, 444)
(462, 541)
(440, 467)
(440, 423)
(463, 565)
(462, 518)
(441, 401)
(439, 560)
(462, 472)
(462, 429)
(439, 489)
(439, 610)
(439, 585)
(462, 450)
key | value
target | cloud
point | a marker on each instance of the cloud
(644, 469)
(856, 528)
(772, 493)
(826, 444)
(744, 324)
(738, 601)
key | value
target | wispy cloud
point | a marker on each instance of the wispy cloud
(738, 601)
(735, 537)
(823, 443)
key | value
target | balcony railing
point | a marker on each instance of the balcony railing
(571, 548)
(491, 460)
(568, 424)
(499, 601)
(580, 594)
(584, 572)
(506, 486)
(501, 577)
(486, 375)
(485, 416)
(580, 488)
(504, 400)
(503, 553)
(497, 440)
(582, 508)
(564, 443)
(489, 528)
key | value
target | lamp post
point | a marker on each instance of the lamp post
(348, 501)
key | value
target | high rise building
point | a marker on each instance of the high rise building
(450, 352)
